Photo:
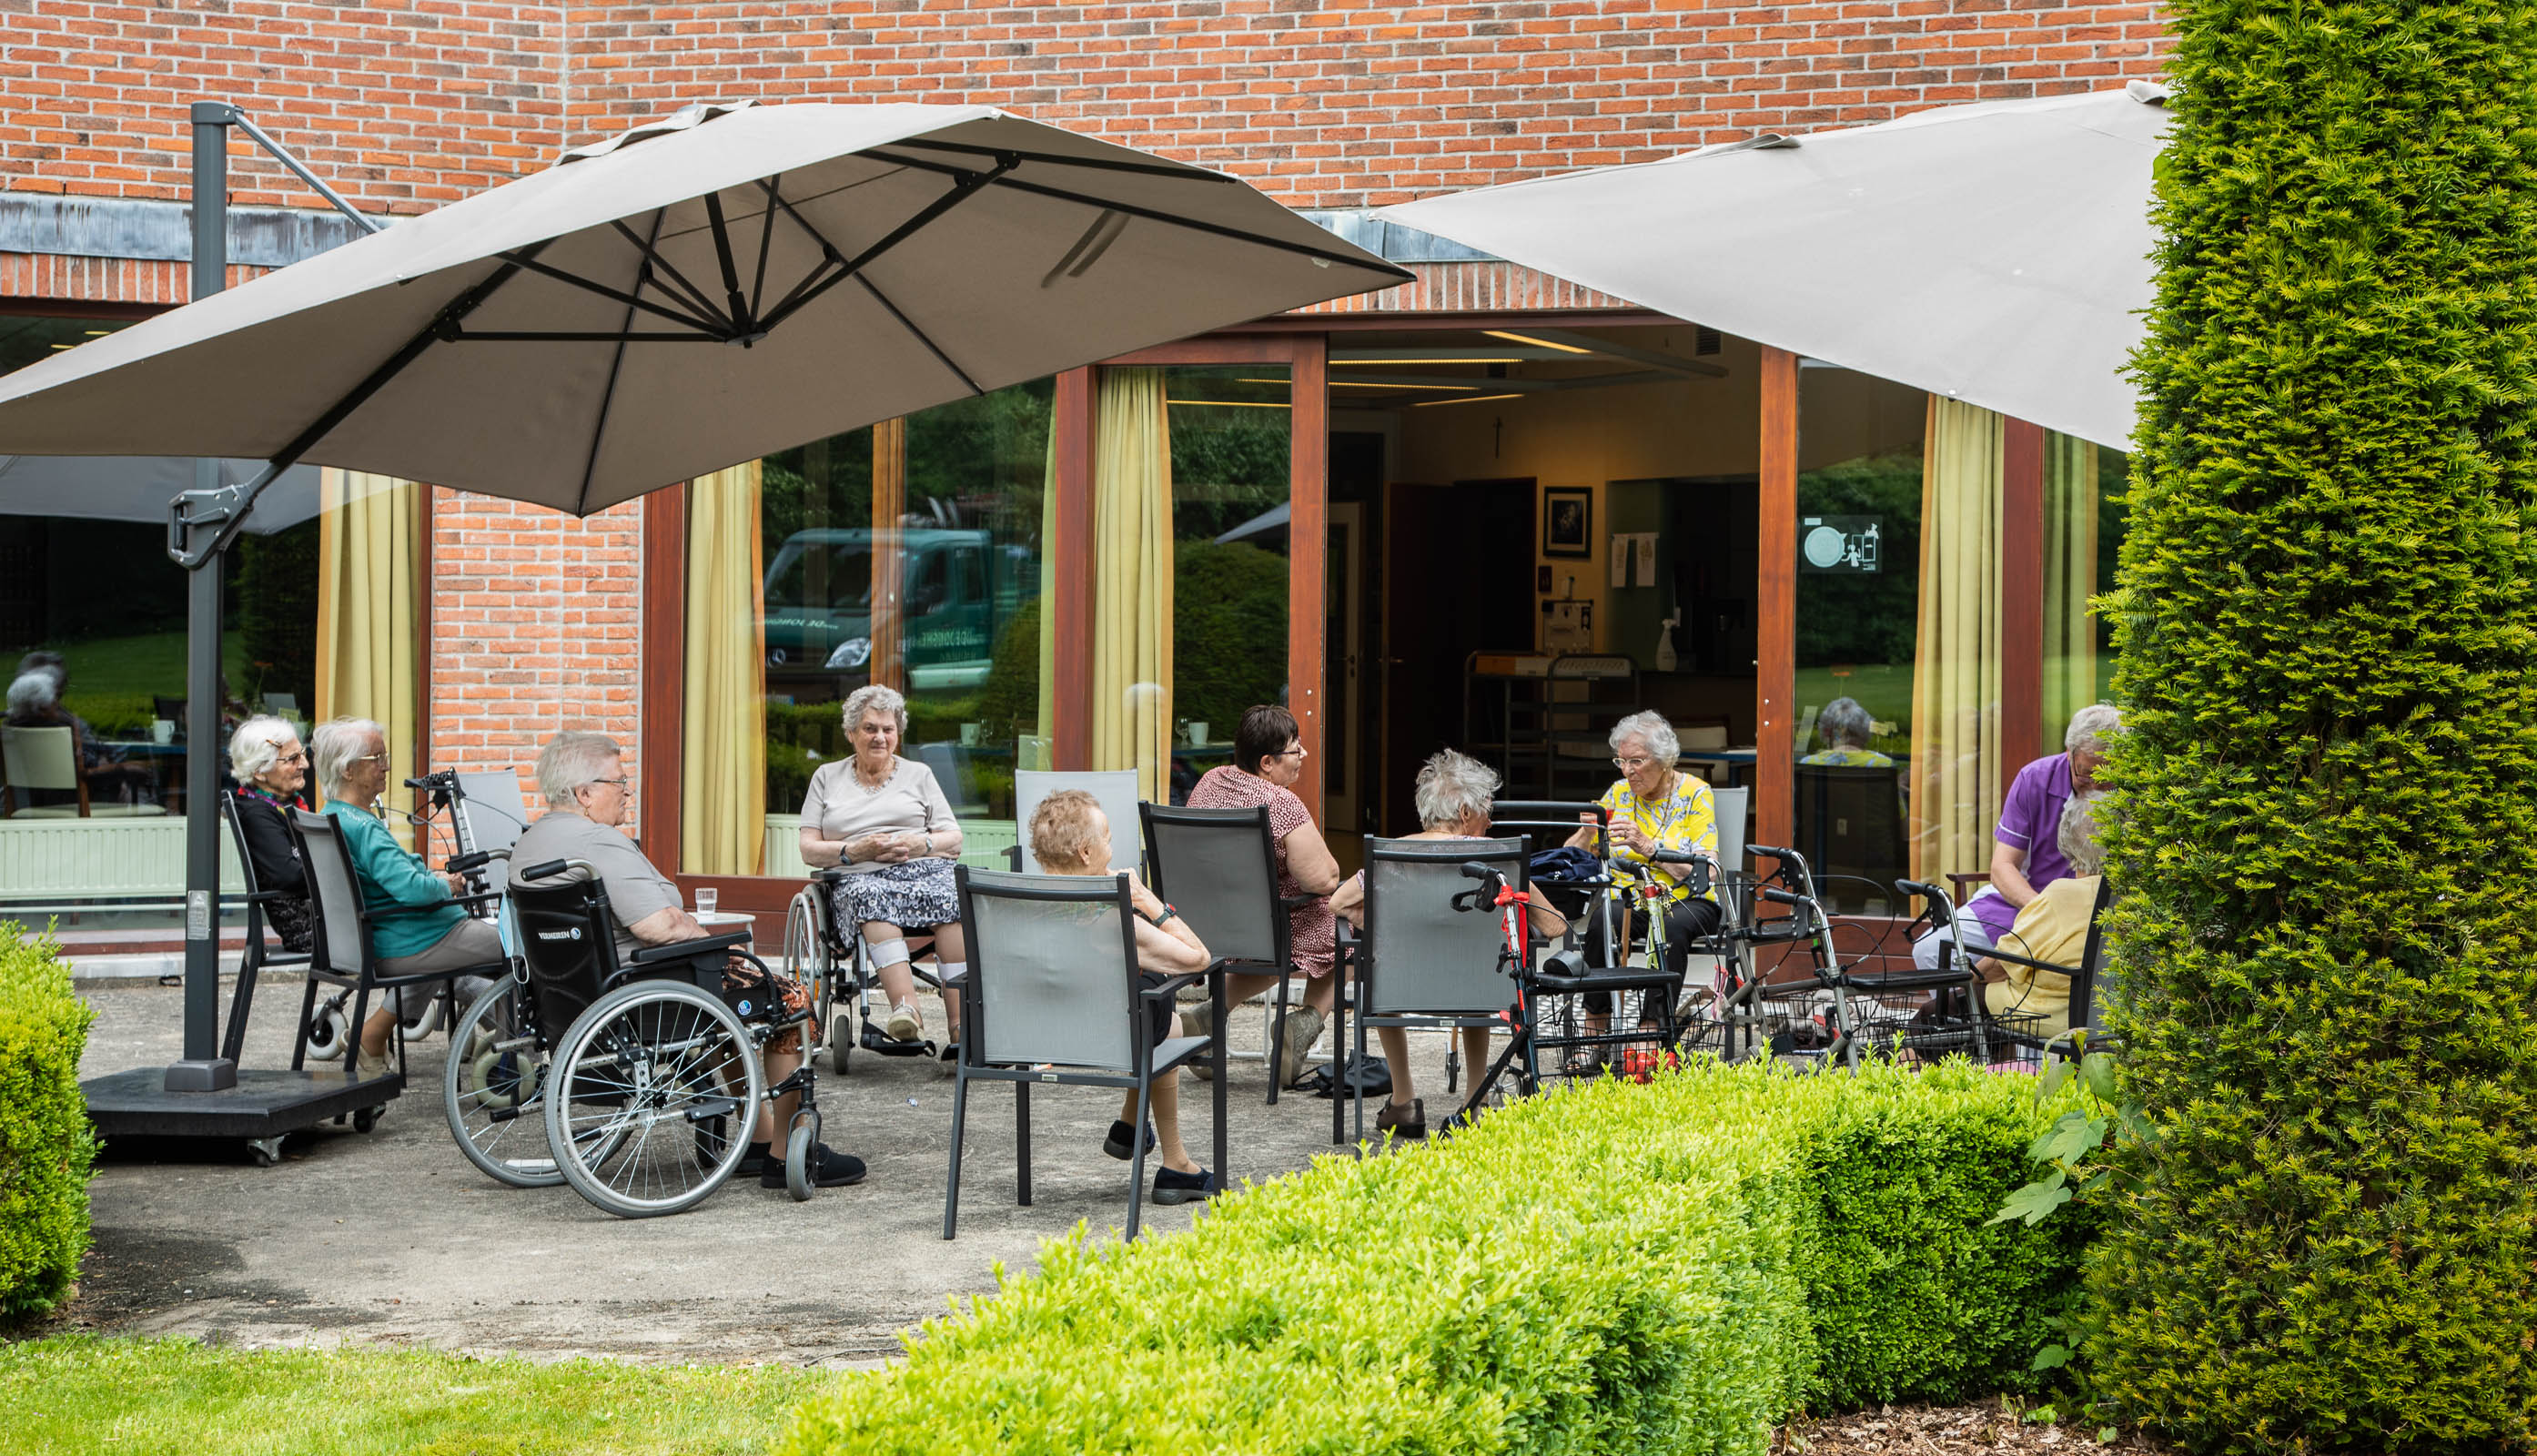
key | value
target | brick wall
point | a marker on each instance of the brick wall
(410, 103)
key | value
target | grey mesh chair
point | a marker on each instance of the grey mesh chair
(2086, 987)
(1053, 996)
(343, 956)
(1423, 963)
(1218, 868)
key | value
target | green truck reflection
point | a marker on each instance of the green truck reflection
(960, 589)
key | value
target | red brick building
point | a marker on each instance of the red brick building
(532, 622)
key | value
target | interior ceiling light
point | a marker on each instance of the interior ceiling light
(1358, 364)
(1468, 399)
(1380, 384)
(1536, 343)
(1234, 404)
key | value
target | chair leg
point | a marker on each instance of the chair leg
(1022, 1144)
(233, 1038)
(959, 1123)
(1136, 1139)
(352, 1033)
(1354, 1092)
(1215, 998)
(307, 1009)
(1340, 1048)
(1277, 1039)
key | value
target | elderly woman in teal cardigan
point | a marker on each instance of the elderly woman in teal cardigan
(415, 924)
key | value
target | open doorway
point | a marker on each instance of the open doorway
(1510, 505)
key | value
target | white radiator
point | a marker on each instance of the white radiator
(983, 843)
(49, 859)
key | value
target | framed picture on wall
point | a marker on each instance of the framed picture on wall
(1567, 521)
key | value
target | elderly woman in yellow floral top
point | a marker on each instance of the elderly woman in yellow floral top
(1655, 806)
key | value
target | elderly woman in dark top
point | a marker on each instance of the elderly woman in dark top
(1268, 759)
(271, 769)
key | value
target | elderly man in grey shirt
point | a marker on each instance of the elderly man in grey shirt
(582, 777)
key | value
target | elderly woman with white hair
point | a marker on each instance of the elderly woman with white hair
(887, 823)
(2026, 850)
(271, 769)
(1455, 795)
(1654, 806)
(416, 927)
(1845, 728)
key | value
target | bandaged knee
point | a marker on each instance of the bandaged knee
(888, 953)
(953, 970)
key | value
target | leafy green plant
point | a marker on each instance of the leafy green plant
(2328, 623)
(45, 1146)
(1674, 1266)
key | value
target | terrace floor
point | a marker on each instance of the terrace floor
(392, 1238)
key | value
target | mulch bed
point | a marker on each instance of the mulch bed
(1991, 1426)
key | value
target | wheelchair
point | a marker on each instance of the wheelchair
(642, 1076)
(824, 954)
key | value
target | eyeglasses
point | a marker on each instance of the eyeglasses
(624, 786)
(1631, 766)
(379, 757)
(296, 756)
(1296, 752)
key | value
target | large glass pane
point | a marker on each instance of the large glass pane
(2083, 531)
(907, 555)
(95, 610)
(1231, 442)
(1859, 581)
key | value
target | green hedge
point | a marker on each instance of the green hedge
(1673, 1267)
(44, 1143)
(2328, 625)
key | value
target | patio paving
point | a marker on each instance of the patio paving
(393, 1238)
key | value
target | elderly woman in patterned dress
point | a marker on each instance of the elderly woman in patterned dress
(885, 821)
(1268, 759)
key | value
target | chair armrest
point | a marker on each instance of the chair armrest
(1171, 985)
(1298, 902)
(828, 875)
(688, 949)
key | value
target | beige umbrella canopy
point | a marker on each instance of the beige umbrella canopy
(1996, 253)
(710, 288)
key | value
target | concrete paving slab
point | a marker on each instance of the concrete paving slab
(392, 1238)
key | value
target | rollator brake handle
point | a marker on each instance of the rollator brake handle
(1770, 851)
(1474, 869)
(475, 860)
(1916, 887)
(1676, 857)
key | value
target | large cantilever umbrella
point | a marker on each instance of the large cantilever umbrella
(1996, 253)
(138, 487)
(713, 287)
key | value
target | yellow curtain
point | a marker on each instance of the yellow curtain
(2069, 580)
(369, 637)
(722, 780)
(1955, 686)
(1132, 601)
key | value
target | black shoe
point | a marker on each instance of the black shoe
(753, 1163)
(829, 1168)
(1179, 1187)
(1116, 1145)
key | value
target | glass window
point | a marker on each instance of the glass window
(1231, 443)
(1859, 648)
(2083, 531)
(96, 606)
(907, 555)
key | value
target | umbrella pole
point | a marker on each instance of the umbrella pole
(203, 1067)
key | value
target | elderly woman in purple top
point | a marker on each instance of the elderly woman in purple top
(2026, 854)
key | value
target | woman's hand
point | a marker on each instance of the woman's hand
(1634, 839)
(457, 885)
(1147, 902)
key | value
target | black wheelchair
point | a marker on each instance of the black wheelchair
(637, 1081)
(835, 961)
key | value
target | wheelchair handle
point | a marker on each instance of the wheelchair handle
(554, 867)
(475, 860)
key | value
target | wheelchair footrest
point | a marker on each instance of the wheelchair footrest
(881, 1043)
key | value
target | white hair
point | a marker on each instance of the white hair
(1453, 787)
(1652, 730)
(33, 691)
(2091, 728)
(572, 761)
(1845, 722)
(2082, 837)
(874, 697)
(334, 747)
(256, 746)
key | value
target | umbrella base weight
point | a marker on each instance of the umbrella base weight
(213, 1074)
(262, 1104)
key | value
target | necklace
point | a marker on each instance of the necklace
(854, 771)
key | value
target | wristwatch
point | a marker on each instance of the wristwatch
(929, 844)
(1169, 912)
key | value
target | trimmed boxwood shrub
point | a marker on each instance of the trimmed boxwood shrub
(1669, 1267)
(46, 1146)
(2327, 622)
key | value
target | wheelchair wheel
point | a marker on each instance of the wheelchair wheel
(493, 1089)
(327, 1031)
(653, 1094)
(800, 1145)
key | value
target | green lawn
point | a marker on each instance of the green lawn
(83, 1394)
(154, 662)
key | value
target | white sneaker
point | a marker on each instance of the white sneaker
(904, 1024)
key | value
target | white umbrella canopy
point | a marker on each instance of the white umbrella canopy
(138, 487)
(708, 289)
(1996, 253)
